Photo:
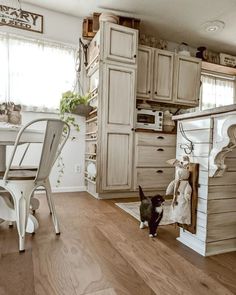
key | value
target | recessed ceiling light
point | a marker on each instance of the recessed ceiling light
(213, 26)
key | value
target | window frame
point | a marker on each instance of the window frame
(43, 42)
(216, 75)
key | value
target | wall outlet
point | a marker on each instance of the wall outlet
(77, 168)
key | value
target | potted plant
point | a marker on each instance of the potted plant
(74, 103)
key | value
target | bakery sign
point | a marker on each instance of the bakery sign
(21, 19)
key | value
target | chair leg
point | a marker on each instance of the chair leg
(22, 204)
(48, 195)
(52, 206)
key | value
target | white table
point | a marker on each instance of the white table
(8, 134)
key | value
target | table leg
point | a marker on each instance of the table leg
(2, 157)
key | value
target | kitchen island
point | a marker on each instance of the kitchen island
(209, 138)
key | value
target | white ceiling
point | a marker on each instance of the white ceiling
(175, 20)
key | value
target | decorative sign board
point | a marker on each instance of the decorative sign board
(21, 19)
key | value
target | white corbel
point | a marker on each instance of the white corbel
(224, 142)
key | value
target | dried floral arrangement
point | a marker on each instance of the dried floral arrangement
(10, 113)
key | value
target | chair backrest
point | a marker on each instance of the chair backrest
(55, 137)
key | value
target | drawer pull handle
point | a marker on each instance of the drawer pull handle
(160, 137)
(160, 150)
(159, 171)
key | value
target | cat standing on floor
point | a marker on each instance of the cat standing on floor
(151, 211)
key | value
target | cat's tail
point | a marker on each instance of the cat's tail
(141, 193)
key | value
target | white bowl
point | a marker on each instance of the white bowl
(109, 17)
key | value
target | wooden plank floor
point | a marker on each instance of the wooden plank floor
(102, 251)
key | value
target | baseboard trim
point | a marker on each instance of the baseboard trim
(69, 189)
(65, 189)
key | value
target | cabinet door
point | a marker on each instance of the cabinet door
(163, 75)
(187, 80)
(120, 43)
(118, 101)
(144, 72)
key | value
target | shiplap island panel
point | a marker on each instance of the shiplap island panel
(213, 134)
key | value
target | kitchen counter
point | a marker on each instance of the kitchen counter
(209, 138)
(210, 112)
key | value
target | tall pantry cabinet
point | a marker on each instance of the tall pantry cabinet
(114, 93)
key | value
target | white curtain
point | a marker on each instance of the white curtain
(35, 72)
(216, 91)
(3, 68)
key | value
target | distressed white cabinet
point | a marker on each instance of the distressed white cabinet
(118, 103)
(152, 150)
(119, 43)
(144, 75)
(163, 75)
(166, 77)
(187, 80)
(115, 67)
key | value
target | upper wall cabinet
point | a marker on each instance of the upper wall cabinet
(120, 43)
(163, 75)
(167, 77)
(145, 68)
(187, 80)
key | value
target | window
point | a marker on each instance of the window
(217, 91)
(33, 72)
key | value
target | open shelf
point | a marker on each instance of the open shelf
(89, 133)
(89, 180)
(207, 66)
(90, 160)
(91, 139)
(91, 120)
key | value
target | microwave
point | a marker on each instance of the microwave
(149, 119)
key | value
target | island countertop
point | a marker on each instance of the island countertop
(210, 112)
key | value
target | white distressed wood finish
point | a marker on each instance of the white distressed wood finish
(187, 80)
(224, 142)
(221, 226)
(153, 178)
(152, 150)
(151, 156)
(217, 195)
(229, 178)
(175, 79)
(163, 75)
(118, 102)
(197, 123)
(155, 139)
(196, 136)
(119, 43)
(144, 72)
(117, 63)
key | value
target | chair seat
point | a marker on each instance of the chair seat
(20, 174)
(32, 168)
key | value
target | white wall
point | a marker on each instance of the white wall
(66, 29)
(57, 26)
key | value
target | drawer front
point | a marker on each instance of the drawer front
(151, 178)
(154, 156)
(156, 139)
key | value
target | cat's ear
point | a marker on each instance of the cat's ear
(141, 194)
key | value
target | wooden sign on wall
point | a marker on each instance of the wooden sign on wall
(21, 19)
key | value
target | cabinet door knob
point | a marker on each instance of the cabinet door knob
(159, 171)
(135, 56)
(160, 137)
(149, 91)
(160, 150)
(155, 92)
(132, 129)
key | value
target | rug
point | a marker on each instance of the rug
(132, 208)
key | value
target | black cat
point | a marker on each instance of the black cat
(151, 210)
